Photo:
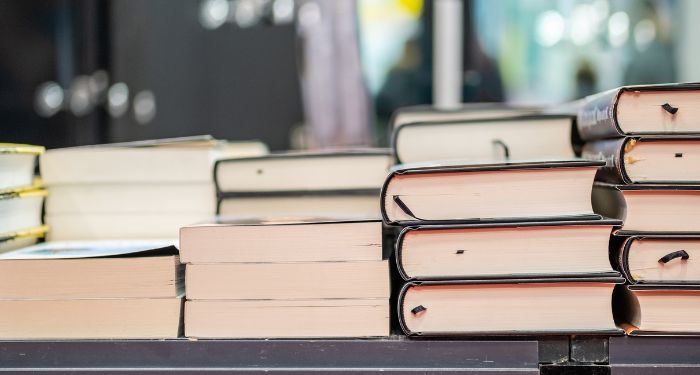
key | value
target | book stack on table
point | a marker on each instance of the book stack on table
(509, 246)
(650, 139)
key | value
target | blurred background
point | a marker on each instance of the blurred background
(309, 73)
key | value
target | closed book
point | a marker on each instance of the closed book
(649, 159)
(655, 259)
(519, 138)
(650, 208)
(509, 191)
(261, 319)
(17, 162)
(658, 309)
(339, 183)
(508, 307)
(466, 111)
(638, 110)
(527, 249)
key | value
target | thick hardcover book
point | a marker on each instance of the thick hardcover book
(508, 307)
(342, 184)
(467, 111)
(524, 250)
(518, 138)
(659, 259)
(645, 208)
(658, 309)
(650, 159)
(432, 193)
(637, 110)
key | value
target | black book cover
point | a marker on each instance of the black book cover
(457, 167)
(406, 230)
(408, 285)
(597, 117)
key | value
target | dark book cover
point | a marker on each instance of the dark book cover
(597, 116)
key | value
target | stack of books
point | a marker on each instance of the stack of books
(21, 197)
(91, 290)
(650, 139)
(340, 184)
(284, 280)
(498, 247)
(137, 190)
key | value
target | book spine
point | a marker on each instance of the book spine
(610, 151)
(596, 117)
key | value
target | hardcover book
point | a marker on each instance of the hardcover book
(658, 310)
(508, 307)
(650, 208)
(519, 138)
(340, 184)
(655, 259)
(510, 191)
(641, 110)
(526, 249)
(647, 160)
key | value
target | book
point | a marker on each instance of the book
(509, 191)
(98, 269)
(648, 159)
(650, 208)
(467, 111)
(654, 259)
(508, 307)
(115, 318)
(17, 162)
(638, 110)
(175, 160)
(345, 204)
(529, 249)
(116, 226)
(91, 290)
(279, 241)
(123, 198)
(303, 172)
(518, 138)
(14, 240)
(325, 318)
(342, 184)
(21, 210)
(654, 310)
(285, 281)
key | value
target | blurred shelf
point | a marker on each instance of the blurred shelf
(388, 356)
